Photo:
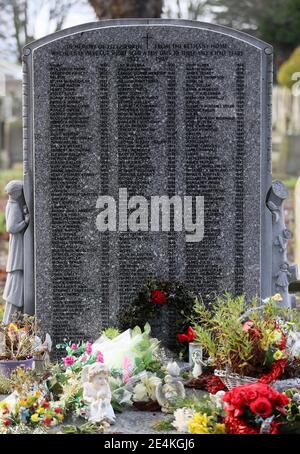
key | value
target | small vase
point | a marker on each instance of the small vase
(7, 367)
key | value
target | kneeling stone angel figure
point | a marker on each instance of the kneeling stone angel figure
(173, 388)
(97, 393)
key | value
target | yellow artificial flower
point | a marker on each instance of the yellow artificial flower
(35, 417)
(220, 429)
(202, 419)
(37, 394)
(199, 424)
(195, 428)
(276, 335)
(60, 417)
(22, 403)
(277, 298)
(20, 372)
(40, 411)
(278, 355)
(13, 327)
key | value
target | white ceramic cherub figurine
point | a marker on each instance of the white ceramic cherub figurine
(97, 393)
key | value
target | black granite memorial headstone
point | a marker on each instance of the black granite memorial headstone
(156, 107)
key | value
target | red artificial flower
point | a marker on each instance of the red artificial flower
(251, 395)
(45, 404)
(7, 422)
(158, 297)
(58, 410)
(189, 337)
(275, 428)
(47, 421)
(282, 343)
(257, 398)
(262, 407)
(281, 401)
(182, 338)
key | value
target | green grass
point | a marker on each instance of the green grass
(290, 182)
(1, 311)
(16, 173)
(2, 222)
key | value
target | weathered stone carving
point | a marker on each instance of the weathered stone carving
(282, 272)
(17, 220)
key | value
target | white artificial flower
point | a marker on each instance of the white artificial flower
(140, 393)
(173, 369)
(217, 399)
(293, 344)
(146, 389)
(182, 417)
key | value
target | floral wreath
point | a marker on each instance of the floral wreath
(149, 303)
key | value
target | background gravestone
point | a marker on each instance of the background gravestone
(157, 107)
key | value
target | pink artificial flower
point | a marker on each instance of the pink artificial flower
(100, 358)
(126, 369)
(69, 360)
(83, 359)
(74, 347)
(88, 348)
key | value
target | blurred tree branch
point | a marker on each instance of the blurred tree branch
(186, 9)
(18, 17)
(117, 9)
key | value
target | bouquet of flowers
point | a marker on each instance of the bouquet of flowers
(17, 340)
(33, 409)
(255, 408)
(127, 355)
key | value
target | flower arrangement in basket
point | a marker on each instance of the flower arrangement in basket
(246, 343)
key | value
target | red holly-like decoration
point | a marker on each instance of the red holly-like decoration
(158, 297)
(275, 373)
(245, 403)
(236, 426)
(215, 384)
(189, 337)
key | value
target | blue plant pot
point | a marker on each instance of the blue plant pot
(8, 366)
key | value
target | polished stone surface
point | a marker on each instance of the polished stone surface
(160, 108)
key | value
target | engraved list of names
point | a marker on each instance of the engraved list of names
(158, 112)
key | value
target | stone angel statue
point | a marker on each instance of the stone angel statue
(172, 388)
(97, 393)
(17, 220)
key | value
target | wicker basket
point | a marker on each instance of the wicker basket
(232, 380)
